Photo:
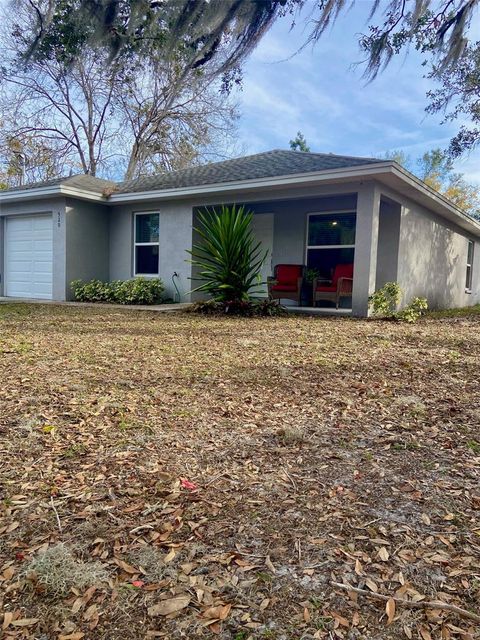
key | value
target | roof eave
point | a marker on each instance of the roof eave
(437, 202)
(291, 179)
(48, 192)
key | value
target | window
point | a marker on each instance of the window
(146, 244)
(469, 273)
(330, 241)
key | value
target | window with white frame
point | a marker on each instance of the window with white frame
(330, 241)
(469, 272)
(146, 244)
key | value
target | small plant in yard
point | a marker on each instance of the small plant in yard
(385, 301)
(267, 307)
(413, 311)
(292, 435)
(134, 291)
(261, 307)
(57, 571)
(474, 446)
(228, 258)
(92, 291)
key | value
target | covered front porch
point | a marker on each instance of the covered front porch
(347, 238)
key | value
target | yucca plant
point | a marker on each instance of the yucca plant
(228, 257)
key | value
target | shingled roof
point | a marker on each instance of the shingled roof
(261, 165)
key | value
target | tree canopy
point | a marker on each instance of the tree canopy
(229, 29)
(217, 36)
(146, 113)
(435, 168)
(299, 143)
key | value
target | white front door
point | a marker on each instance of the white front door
(29, 257)
(262, 227)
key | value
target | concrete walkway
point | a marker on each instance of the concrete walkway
(161, 308)
(169, 308)
(318, 311)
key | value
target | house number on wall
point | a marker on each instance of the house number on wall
(59, 219)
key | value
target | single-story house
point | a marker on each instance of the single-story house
(313, 209)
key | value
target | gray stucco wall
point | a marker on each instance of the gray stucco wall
(55, 207)
(177, 219)
(87, 255)
(290, 222)
(388, 241)
(175, 237)
(433, 258)
(2, 255)
(426, 254)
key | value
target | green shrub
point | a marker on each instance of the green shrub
(385, 301)
(228, 258)
(93, 291)
(135, 291)
(413, 311)
(267, 307)
(139, 291)
(244, 308)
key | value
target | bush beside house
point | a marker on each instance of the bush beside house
(135, 291)
(385, 301)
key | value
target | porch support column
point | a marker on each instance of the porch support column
(366, 242)
(2, 259)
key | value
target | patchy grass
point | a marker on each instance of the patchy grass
(177, 476)
(462, 312)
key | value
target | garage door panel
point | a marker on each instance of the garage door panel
(44, 278)
(42, 269)
(42, 235)
(42, 245)
(24, 246)
(29, 256)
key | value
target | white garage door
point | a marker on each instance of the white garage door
(28, 257)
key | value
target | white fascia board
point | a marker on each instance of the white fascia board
(47, 192)
(81, 194)
(29, 194)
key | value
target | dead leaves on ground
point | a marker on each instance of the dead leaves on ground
(222, 482)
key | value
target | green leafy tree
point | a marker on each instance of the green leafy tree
(227, 258)
(459, 98)
(299, 143)
(224, 31)
(436, 169)
(398, 155)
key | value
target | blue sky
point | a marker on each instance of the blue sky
(318, 92)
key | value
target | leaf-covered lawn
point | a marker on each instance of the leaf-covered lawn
(175, 476)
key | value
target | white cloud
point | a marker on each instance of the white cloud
(318, 92)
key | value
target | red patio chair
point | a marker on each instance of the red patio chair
(334, 290)
(286, 282)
